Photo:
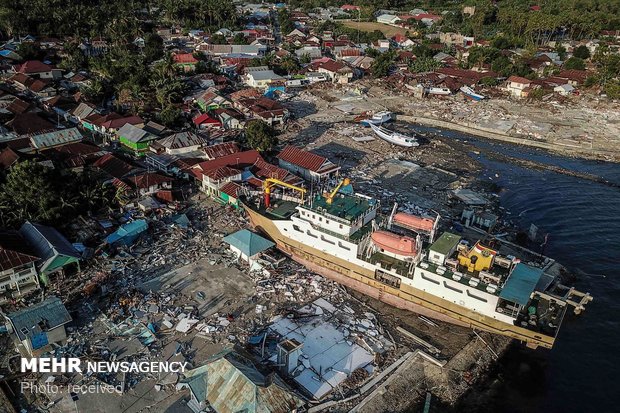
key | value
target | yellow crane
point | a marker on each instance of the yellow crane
(329, 198)
(271, 182)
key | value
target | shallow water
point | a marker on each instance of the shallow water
(582, 219)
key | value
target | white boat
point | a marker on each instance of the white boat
(378, 118)
(439, 91)
(394, 137)
(470, 93)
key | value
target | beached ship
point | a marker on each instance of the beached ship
(470, 93)
(394, 137)
(400, 260)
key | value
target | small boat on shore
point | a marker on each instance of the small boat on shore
(376, 119)
(394, 137)
(470, 93)
(442, 91)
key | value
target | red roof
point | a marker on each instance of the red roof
(332, 66)
(222, 149)
(34, 66)
(220, 173)
(349, 7)
(267, 170)
(574, 74)
(519, 79)
(399, 37)
(14, 251)
(119, 123)
(350, 52)
(148, 180)
(185, 58)
(206, 119)
(304, 159)
(231, 189)
(239, 159)
(535, 8)
(8, 157)
(113, 166)
(29, 122)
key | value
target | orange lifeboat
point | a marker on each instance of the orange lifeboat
(394, 243)
(414, 222)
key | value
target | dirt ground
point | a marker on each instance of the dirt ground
(389, 31)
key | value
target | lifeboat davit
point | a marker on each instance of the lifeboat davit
(390, 242)
(414, 222)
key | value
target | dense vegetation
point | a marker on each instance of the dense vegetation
(35, 192)
(119, 20)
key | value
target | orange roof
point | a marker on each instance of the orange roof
(299, 157)
(231, 189)
(185, 58)
(519, 79)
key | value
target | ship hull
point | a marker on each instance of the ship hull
(406, 297)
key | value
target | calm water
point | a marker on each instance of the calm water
(583, 219)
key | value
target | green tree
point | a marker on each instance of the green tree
(574, 63)
(260, 136)
(289, 64)
(424, 64)
(612, 89)
(218, 39)
(153, 47)
(383, 64)
(170, 116)
(239, 38)
(581, 52)
(29, 51)
(52, 196)
(489, 81)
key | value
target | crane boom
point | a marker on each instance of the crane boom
(330, 197)
(270, 182)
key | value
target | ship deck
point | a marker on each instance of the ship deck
(391, 263)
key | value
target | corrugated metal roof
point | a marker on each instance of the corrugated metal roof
(231, 384)
(222, 149)
(55, 138)
(132, 133)
(44, 316)
(46, 241)
(182, 140)
(304, 159)
(14, 252)
(248, 242)
(521, 283)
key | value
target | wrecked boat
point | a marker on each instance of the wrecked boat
(393, 137)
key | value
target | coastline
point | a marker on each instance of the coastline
(495, 135)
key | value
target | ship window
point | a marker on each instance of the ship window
(449, 287)
(320, 219)
(476, 297)
(436, 256)
(424, 277)
(328, 240)
(341, 245)
(327, 221)
(296, 228)
(311, 234)
(340, 226)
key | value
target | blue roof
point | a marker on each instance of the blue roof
(47, 242)
(248, 242)
(521, 284)
(127, 233)
(41, 317)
